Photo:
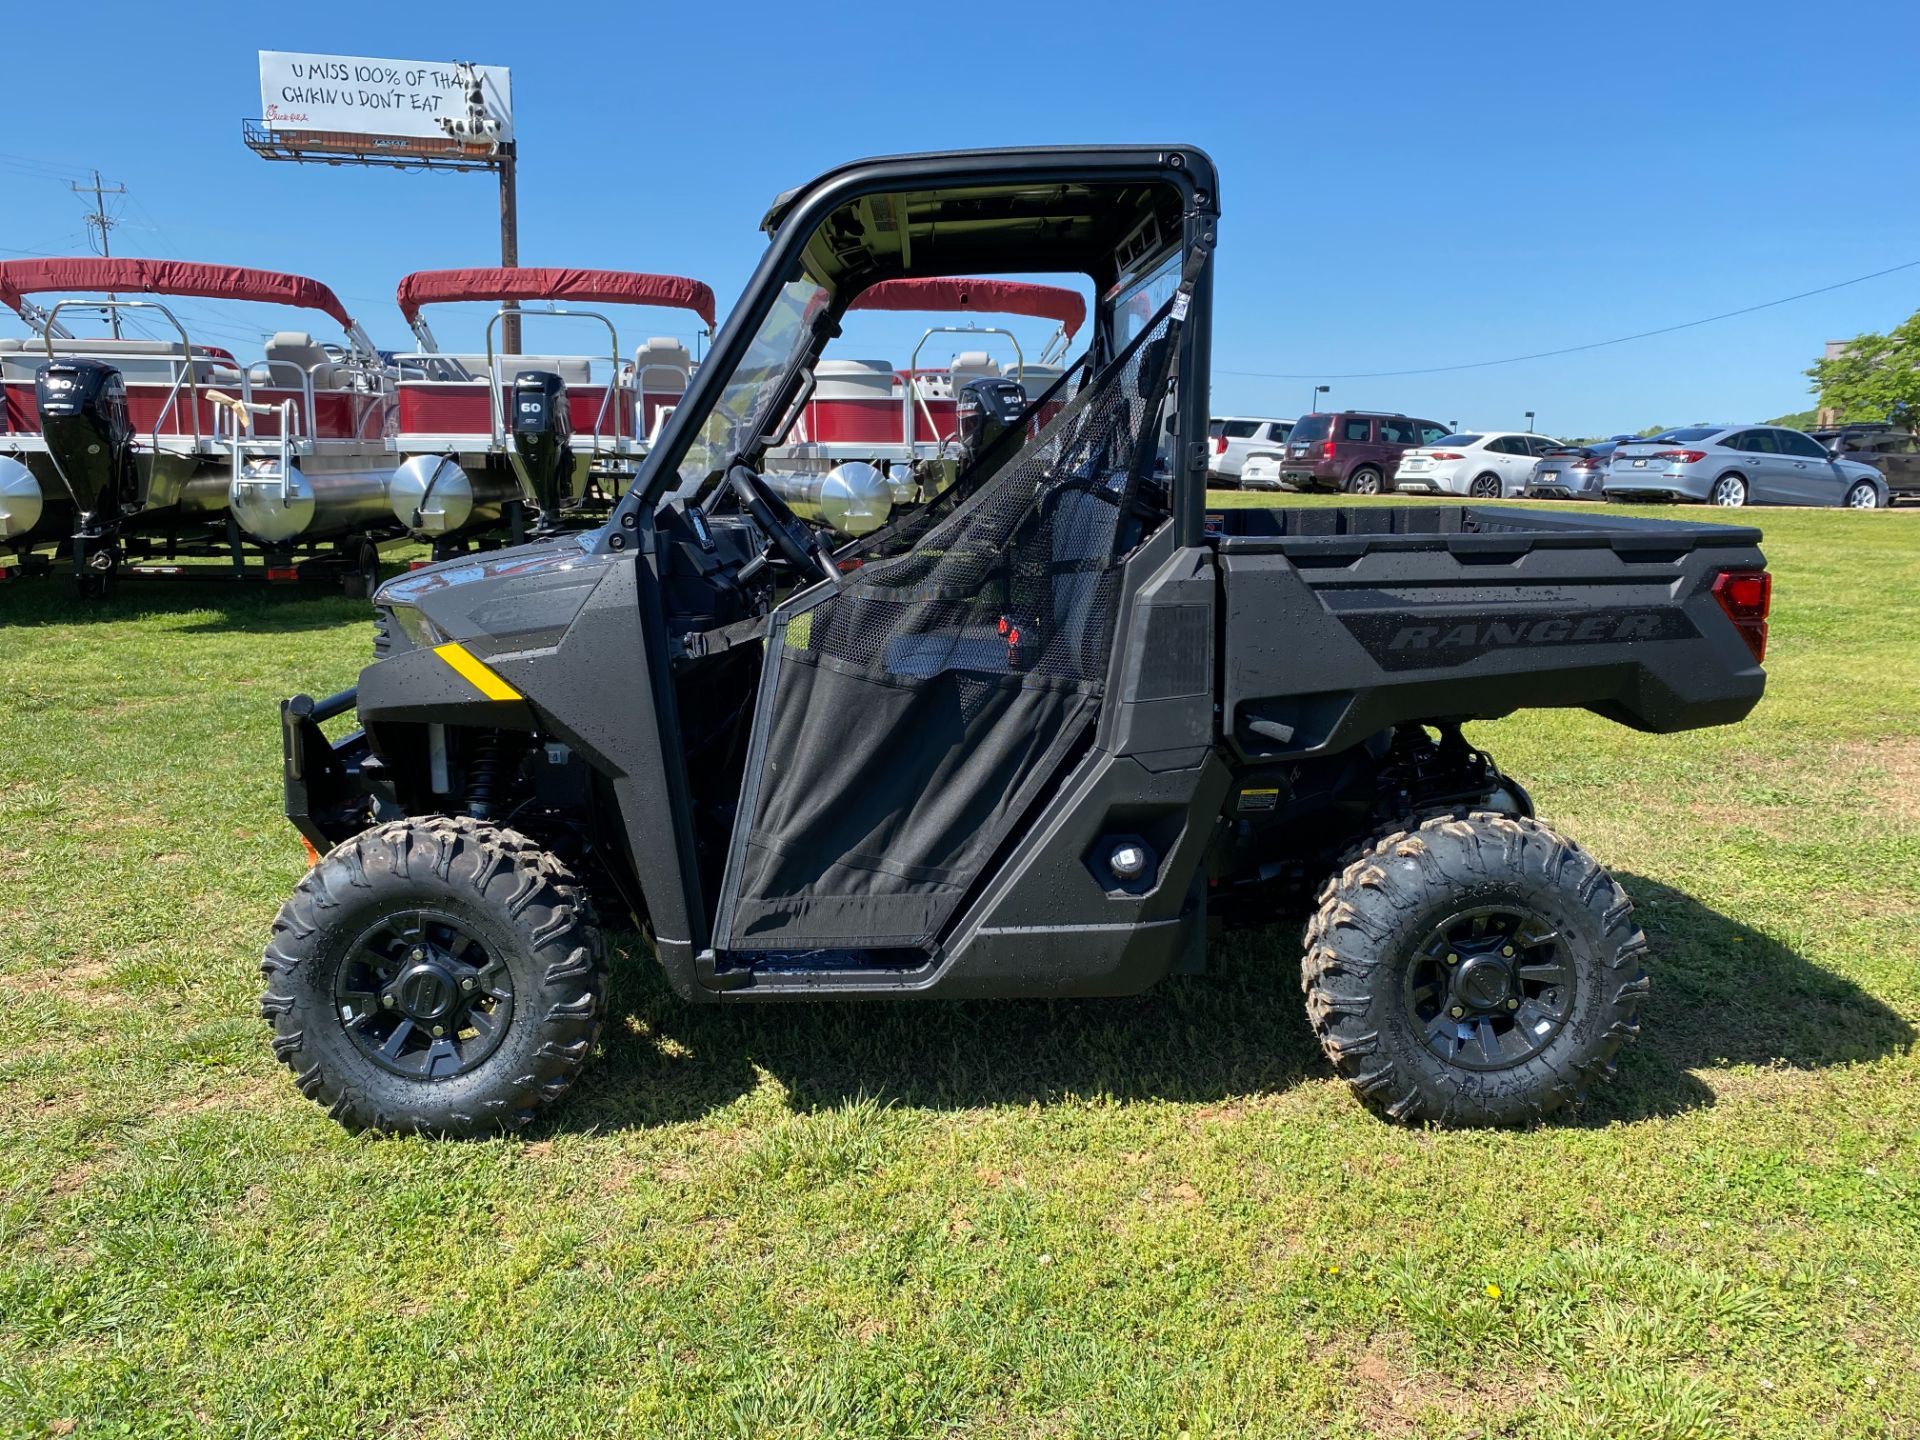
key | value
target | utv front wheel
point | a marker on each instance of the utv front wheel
(440, 976)
(1482, 971)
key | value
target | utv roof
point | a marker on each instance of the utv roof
(1078, 208)
(1036, 157)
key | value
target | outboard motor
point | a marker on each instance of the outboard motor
(542, 440)
(83, 416)
(986, 409)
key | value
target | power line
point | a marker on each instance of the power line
(101, 223)
(1575, 349)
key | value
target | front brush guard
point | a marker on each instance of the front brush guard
(329, 795)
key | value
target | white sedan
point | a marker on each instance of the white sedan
(1483, 466)
(1262, 472)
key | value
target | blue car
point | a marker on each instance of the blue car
(1741, 465)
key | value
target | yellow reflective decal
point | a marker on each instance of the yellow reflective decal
(474, 673)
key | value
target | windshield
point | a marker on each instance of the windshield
(1696, 432)
(1461, 440)
(1311, 427)
(738, 415)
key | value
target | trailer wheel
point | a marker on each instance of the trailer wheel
(1477, 971)
(363, 579)
(438, 975)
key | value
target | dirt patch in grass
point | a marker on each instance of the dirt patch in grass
(1396, 1400)
(71, 977)
(1897, 759)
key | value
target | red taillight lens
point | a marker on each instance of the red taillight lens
(1681, 457)
(1746, 596)
(1326, 450)
(1448, 455)
(1219, 444)
(1588, 462)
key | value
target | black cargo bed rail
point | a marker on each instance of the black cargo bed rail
(1339, 534)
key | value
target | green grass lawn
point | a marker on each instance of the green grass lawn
(1158, 1216)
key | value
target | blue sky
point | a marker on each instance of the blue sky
(1404, 185)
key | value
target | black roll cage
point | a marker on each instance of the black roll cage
(795, 217)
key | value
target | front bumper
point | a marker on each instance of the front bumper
(330, 796)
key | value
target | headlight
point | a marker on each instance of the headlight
(412, 622)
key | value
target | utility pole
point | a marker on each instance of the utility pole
(102, 222)
(477, 124)
(509, 245)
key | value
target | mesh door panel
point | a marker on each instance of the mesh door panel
(917, 711)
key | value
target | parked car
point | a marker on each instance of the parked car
(1741, 465)
(1893, 450)
(1234, 438)
(1352, 450)
(1485, 466)
(1262, 471)
(1573, 472)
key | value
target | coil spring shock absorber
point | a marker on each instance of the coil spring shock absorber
(491, 773)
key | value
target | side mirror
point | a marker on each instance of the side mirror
(1833, 450)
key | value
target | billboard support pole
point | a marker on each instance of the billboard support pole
(509, 244)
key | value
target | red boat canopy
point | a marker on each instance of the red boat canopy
(998, 297)
(94, 274)
(612, 287)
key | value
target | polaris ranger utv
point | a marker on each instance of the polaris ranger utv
(1041, 735)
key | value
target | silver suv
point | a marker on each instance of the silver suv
(1231, 439)
(1741, 465)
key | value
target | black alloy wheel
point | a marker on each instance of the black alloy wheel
(419, 994)
(1488, 988)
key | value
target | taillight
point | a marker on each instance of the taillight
(1588, 462)
(1326, 449)
(1746, 596)
(1448, 455)
(1219, 444)
(1680, 457)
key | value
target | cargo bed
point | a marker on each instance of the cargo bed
(1341, 621)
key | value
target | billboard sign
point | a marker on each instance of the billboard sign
(352, 95)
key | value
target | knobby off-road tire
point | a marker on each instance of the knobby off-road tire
(459, 929)
(1399, 942)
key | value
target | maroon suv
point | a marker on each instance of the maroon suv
(1352, 450)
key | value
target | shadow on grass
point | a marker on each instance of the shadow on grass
(1717, 1001)
(237, 605)
(1726, 995)
(1237, 1032)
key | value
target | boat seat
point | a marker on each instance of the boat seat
(971, 365)
(574, 369)
(137, 360)
(664, 366)
(292, 354)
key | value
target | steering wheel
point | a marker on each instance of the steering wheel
(797, 546)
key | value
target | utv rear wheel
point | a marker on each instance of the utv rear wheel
(1482, 971)
(440, 976)
(1364, 481)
